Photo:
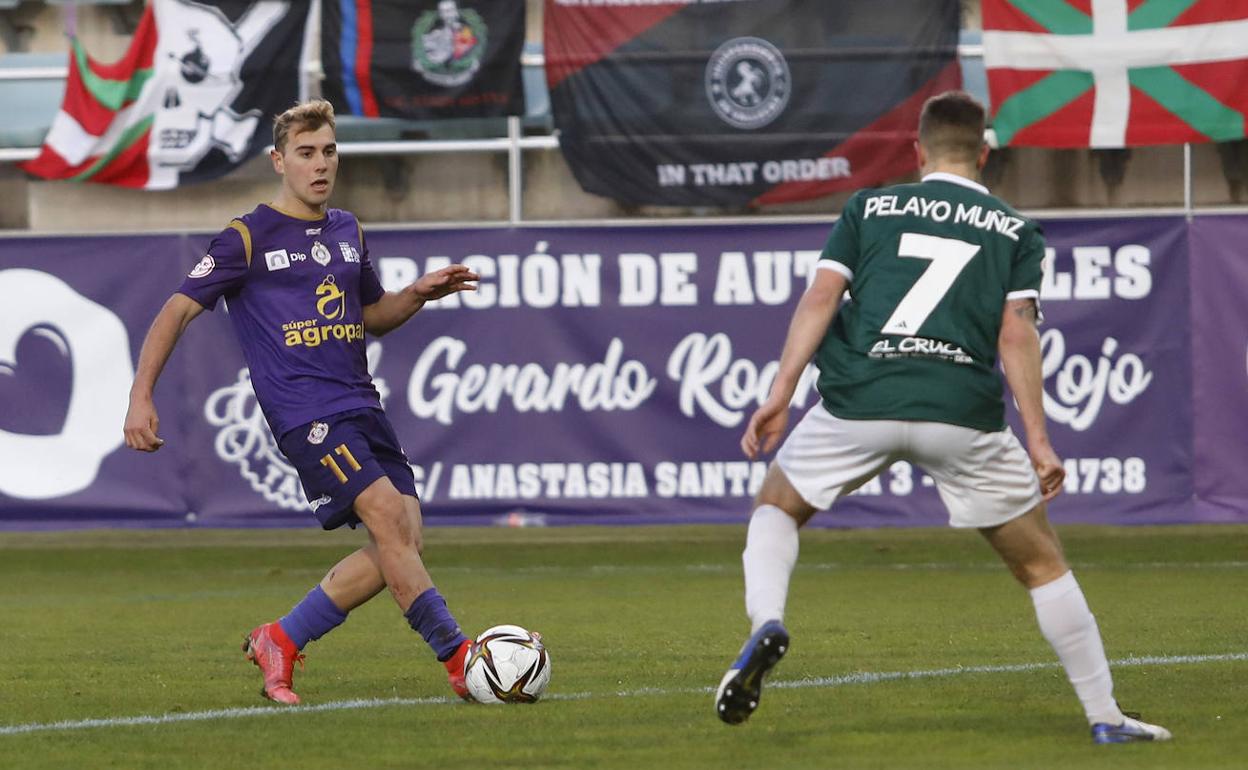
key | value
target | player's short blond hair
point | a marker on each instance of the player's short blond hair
(305, 116)
(951, 126)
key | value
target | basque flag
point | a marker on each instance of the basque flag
(744, 101)
(1116, 73)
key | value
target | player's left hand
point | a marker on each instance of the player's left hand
(448, 280)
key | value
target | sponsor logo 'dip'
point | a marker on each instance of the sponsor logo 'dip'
(748, 82)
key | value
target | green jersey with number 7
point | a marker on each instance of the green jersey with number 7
(930, 268)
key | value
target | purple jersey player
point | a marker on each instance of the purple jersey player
(301, 292)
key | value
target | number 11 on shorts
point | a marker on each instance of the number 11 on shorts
(329, 462)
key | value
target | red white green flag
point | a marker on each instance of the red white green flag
(189, 101)
(1116, 73)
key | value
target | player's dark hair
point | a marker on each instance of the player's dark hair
(305, 116)
(951, 126)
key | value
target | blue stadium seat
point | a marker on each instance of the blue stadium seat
(29, 105)
(356, 128)
(536, 93)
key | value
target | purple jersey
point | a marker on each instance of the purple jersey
(295, 290)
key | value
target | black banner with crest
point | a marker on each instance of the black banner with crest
(731, 102)
(423, 59)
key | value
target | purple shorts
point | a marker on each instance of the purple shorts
(337, 457)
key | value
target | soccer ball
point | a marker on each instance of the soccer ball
(507, 664)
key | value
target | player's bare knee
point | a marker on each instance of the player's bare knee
(386, 519)
(778, 491)
(411, 509)
(1039, 568)
(407, 533)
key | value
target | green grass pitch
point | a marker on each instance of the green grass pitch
(911, 649)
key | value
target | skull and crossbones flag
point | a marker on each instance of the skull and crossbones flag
(192, 98)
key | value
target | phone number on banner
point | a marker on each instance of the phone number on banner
(1084, 475)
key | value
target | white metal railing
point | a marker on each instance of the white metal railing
(34, 73)
(513, 144)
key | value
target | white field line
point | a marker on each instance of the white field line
(842, 680)
(814, 566)
(21, 600)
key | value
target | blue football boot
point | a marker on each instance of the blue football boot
(1130, 731)
(742, 685)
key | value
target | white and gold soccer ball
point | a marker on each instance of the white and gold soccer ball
(507, 664)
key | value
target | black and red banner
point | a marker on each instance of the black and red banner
(423, 59)
(732, 102)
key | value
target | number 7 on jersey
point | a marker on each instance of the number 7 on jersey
(948, 257)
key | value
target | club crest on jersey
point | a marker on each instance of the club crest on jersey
(204, 267)
(349, 254)
(277, 260)
(320, 254)
(318, 433)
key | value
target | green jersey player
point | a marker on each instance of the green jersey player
(944, 282)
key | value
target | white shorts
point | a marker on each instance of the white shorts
(984, 479)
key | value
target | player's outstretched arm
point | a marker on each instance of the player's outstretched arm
(142, 422)
(1019, 347)
(395, 307)
(814, 313)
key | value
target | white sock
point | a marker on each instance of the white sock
(1070, 627)
(769, 558)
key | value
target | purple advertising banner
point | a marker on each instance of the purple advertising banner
(599, 375)
(1219, 268)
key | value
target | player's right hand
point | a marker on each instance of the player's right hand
(765, 428)
(1048, 467)
(141, 426)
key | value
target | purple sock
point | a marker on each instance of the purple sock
(429, 617)
(312, 618)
